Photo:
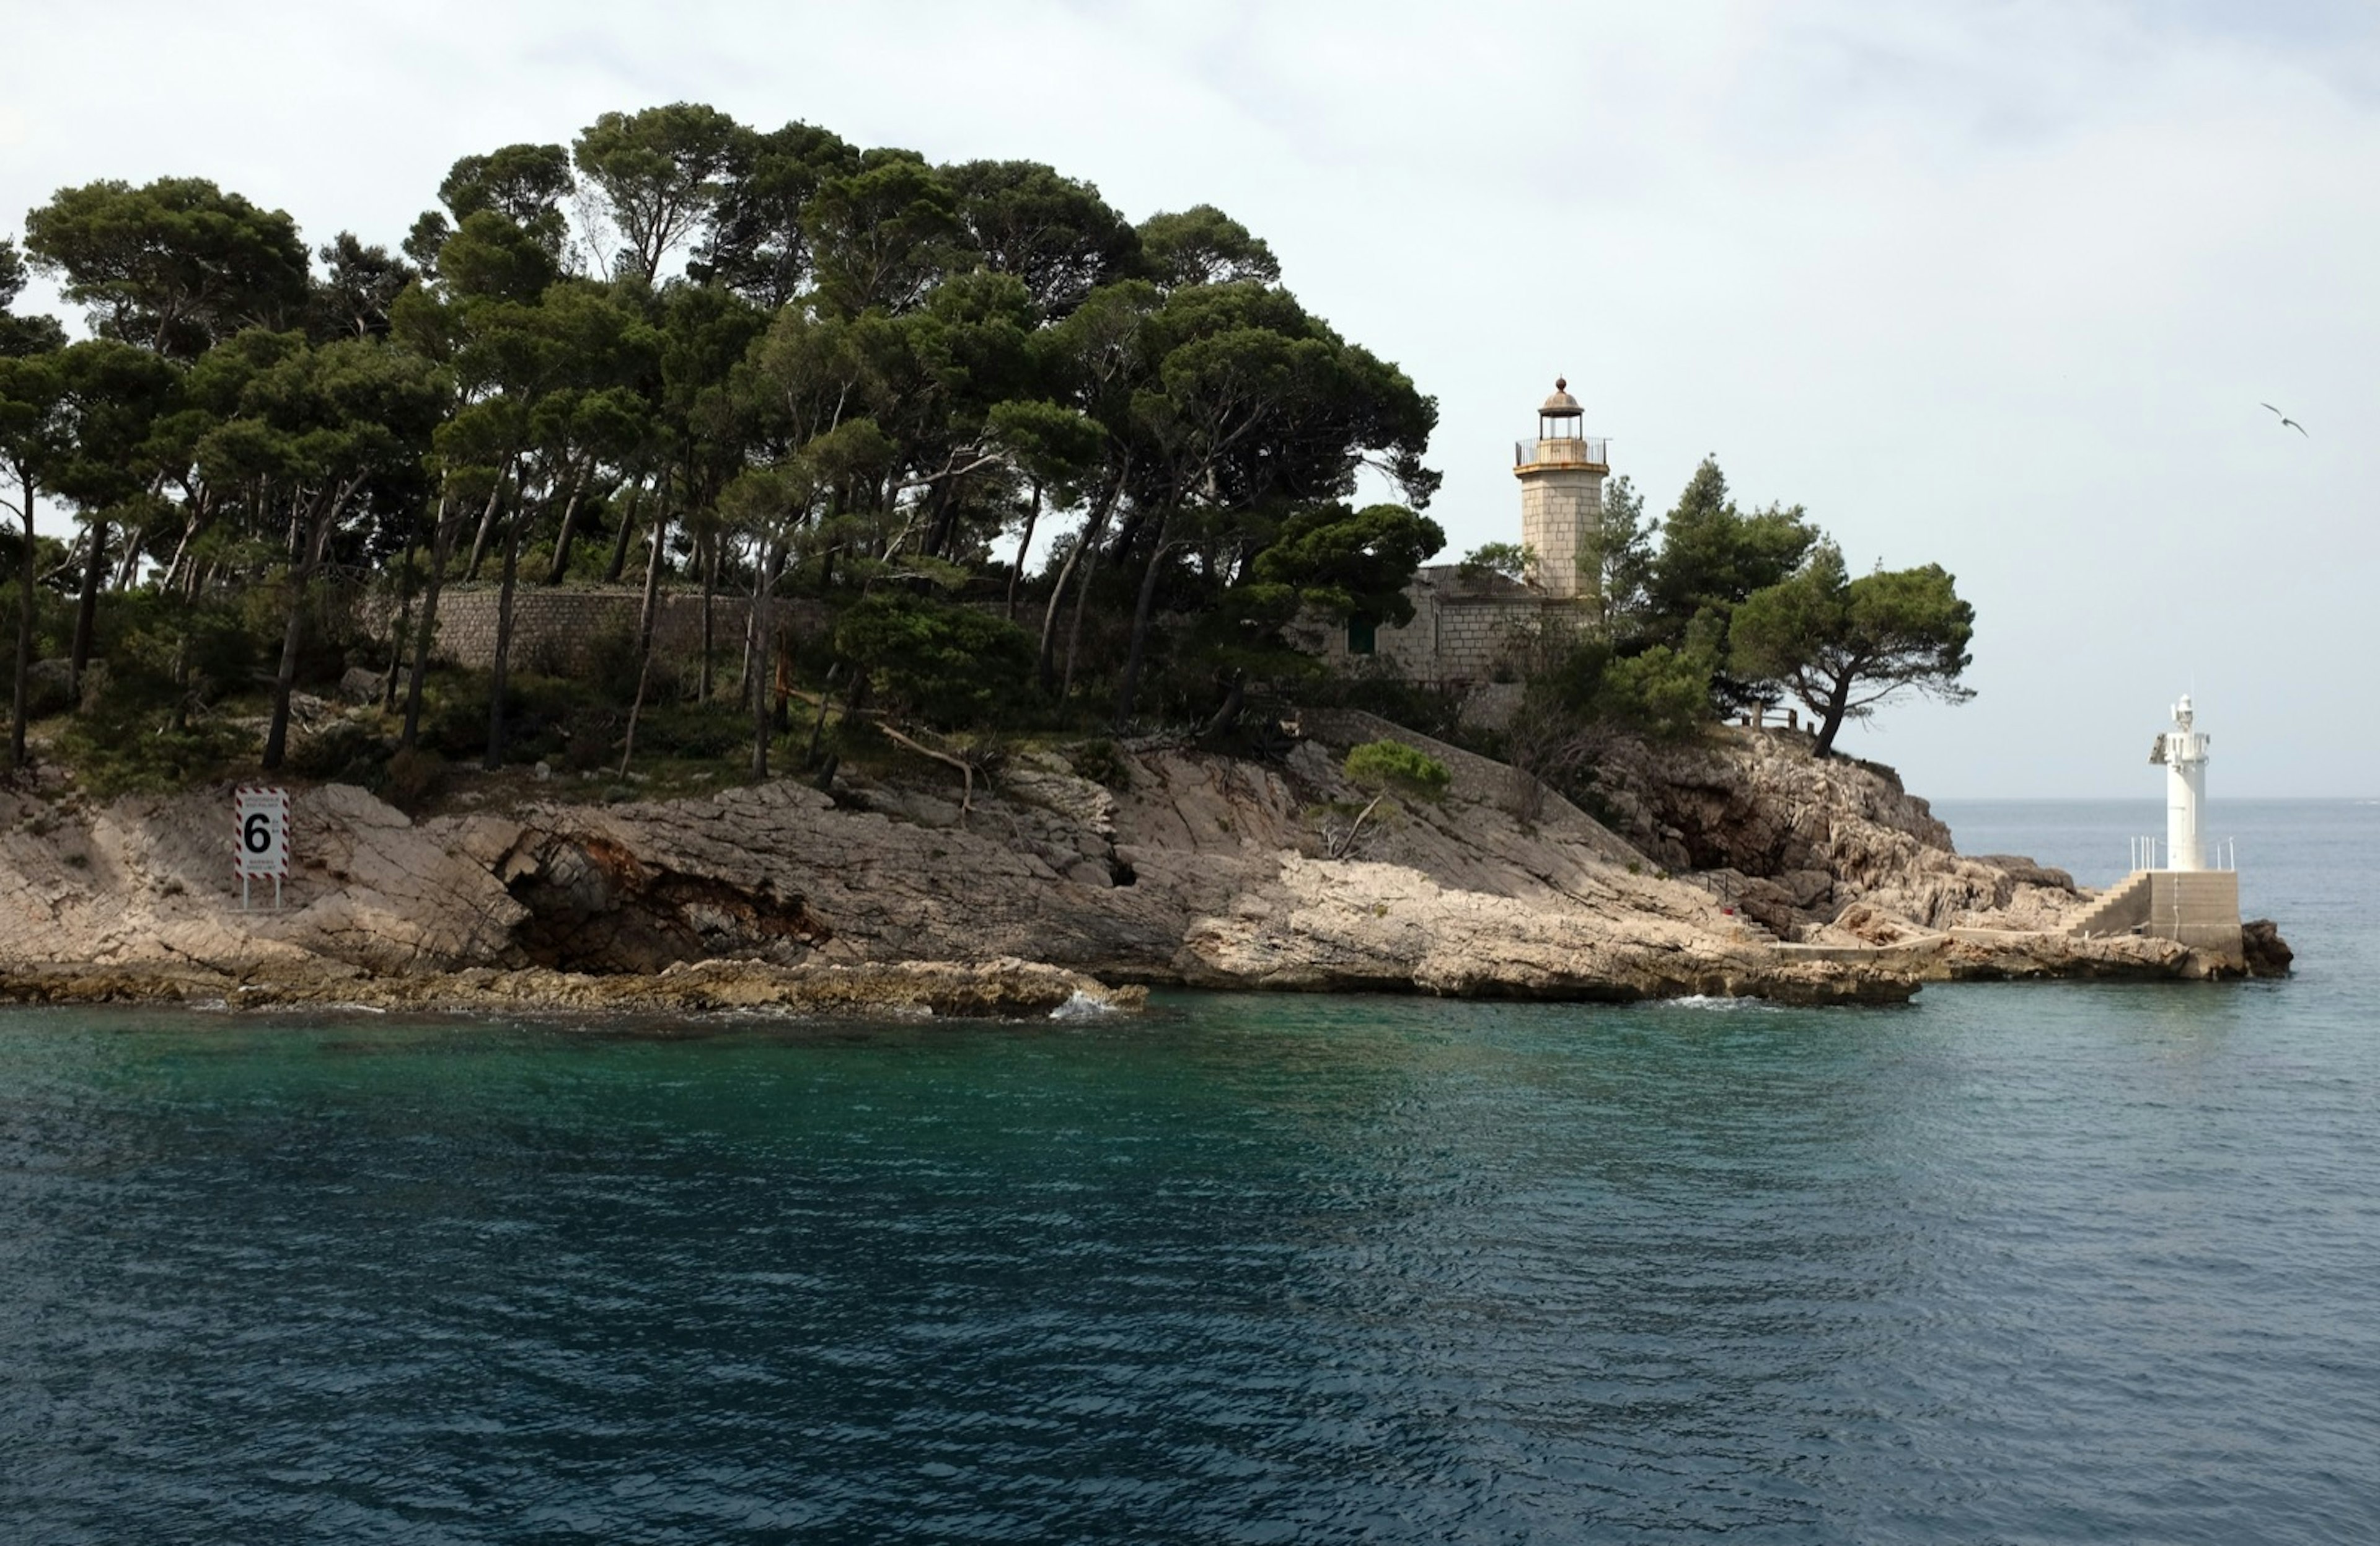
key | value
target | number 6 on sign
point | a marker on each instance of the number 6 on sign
(261, 816)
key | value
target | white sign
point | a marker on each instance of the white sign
(261, 838)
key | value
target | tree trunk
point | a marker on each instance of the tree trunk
(24, 634)
(1086, 544)
(647, 615)
(852, 702)
(1837, 703)
(761, 649)
(1141, 610)
(127, 567)
(487, 523)
(619, 564)
(562, 538)
(174, 570)
(87, 607)
(495, 757)
(942, 524)
(645, 637)
(1074, 626)
(1229, 714)
(293, 635)
(781, 674)
(442, 548)
(635, 709)
(1024, 546)
(709, 590)
(817, 724)
(404, 583)
(746, 668)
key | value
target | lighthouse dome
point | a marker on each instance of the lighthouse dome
(1561, 404)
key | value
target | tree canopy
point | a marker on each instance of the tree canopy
(1005, 452)
(1843, 646)
(1713, 608)
(177, 265)
(922, 449)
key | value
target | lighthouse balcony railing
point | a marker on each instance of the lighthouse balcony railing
(1566, 450)
(2222, 855)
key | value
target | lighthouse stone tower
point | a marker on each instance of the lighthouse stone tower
(1561, 478)
(1474, 628)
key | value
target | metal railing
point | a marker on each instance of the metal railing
(1566, 451)
(2223, 854)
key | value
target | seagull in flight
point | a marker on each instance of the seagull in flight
(2286, 418)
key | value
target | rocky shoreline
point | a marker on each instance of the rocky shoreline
(1737, 867)
(914, 989)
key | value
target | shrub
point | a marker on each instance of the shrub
(131, 742)
(1099, 761)
(45, 689)
(455, 722)
(536, 709)
(949, 666)
(613, 664)
(1661, 693)
(1377, 690)
(192, 651)
(412, 779)
(591, 738)
(1394, 765)
(698, 731)
(143, 725)
(344, 750)
(1664, 693)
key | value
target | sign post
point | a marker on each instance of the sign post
(261, 838)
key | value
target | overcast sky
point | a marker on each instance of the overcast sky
(1998, 285)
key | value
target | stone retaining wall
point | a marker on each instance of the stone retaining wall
(567, 632)
(1464, 633)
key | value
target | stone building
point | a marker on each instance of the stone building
(1473, 628)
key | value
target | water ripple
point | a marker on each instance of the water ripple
(2060, 1263)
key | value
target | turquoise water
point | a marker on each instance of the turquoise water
(2037, 1262)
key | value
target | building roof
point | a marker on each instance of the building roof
(1561, 404)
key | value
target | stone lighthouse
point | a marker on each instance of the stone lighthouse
(2182, 750)
(1562, 475)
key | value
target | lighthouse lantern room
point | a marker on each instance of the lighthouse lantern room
(1562, 475)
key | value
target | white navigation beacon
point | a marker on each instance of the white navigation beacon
(2182, 750)
(2183, 900)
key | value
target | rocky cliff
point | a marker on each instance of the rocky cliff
(1740, 866)
(1827, 850)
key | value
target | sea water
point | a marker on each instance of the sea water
(2016, 1262)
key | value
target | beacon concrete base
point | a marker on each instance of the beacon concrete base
(2196, 908)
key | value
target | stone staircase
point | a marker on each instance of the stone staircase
(2118, 910)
